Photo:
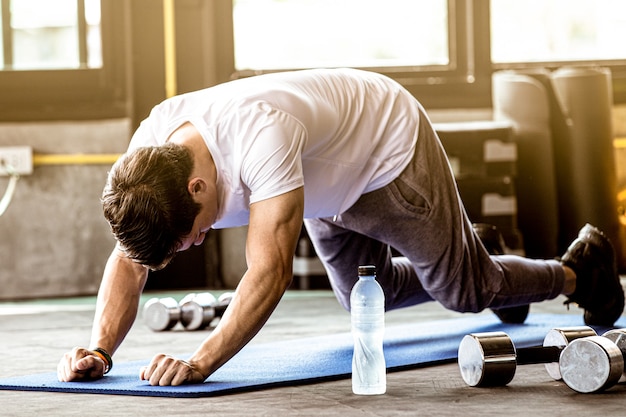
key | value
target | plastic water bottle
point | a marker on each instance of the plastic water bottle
(367, 310)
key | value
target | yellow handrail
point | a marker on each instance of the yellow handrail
(110, 158)
(75, 159)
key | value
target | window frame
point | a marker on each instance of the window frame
(95, 93)
(466, 81)
(111, 91)
(463, 81)
(617, 66)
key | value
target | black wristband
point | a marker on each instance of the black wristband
(106, 357)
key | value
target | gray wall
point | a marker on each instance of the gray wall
(53, 238)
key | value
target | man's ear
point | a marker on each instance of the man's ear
(196, 185)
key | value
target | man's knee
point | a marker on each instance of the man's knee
(461, 303)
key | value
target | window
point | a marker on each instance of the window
(63, 59)
(557, 30)
(426, 45)
(50, 34)
(333, 33)
(443, 51)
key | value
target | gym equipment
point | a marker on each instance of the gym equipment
(594, 365)
(526, 100)
(586, 157)
(564, 135)
(591, 364)
(490, 359)
(161, 313)
(197, 311)
(618, 336)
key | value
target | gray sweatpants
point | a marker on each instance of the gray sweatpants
(420, 214)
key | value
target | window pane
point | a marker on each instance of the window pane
(46, 34)
(557, 30)
(281, 34)
(1, 40)
(94, 35)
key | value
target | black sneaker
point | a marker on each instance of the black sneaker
(598, 288)
(493, 241)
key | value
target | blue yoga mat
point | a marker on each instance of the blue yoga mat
(311, 359)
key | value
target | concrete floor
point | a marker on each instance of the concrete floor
(35, 334)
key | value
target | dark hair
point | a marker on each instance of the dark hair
(147, 204)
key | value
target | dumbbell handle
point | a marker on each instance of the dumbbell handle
(222, 303)
(220, 308)
(538, 354)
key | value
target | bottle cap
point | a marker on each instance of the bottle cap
(367, 270)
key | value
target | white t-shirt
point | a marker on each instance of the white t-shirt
(337, 132)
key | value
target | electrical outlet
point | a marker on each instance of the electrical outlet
(16, 159)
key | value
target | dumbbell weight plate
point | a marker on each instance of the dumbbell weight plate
(161, 313)
(225, 298)
(187, 313)
(497, 368)
(618, 336)
(187, 298)
(561, 338)
(591, 364)
(197, 311)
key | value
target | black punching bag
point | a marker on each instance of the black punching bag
(588, 179)
(524, 101)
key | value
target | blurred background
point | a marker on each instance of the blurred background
(529, 99)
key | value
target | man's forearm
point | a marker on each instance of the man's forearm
(273, 231)
(252, 305)
(118, 299)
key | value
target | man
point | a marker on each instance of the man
(354, 155)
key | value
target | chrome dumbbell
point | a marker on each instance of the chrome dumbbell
(161, 314)
(593, 364)
(491, 359)
(618, 336)
(197, 311)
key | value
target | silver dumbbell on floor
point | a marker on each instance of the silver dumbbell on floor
(161, 314)
(593, 364)
(194, 311)
(490, 359)
(197, 311)
(618, 336)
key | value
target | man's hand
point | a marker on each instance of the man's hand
(80, 365)
(167, 370)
